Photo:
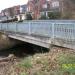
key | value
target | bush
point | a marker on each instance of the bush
(43, 17)
(28, 17)
(54, 15)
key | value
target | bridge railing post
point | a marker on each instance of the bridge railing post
(1, 27)
(29, 28)
(7, 27)
(53, 31)
(16, 29)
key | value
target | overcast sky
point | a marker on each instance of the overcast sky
(9, 3)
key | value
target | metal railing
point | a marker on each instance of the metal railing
(55, 29)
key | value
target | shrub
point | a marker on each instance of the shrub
(28, 17)
(54, 15)
(43, 17)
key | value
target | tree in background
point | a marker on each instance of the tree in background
(68, 9)
(67, 15)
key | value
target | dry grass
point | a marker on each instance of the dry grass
(41, 64)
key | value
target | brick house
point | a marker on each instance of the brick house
(16, 9)
(35, 6)
(12, 11)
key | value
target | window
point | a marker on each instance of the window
(55, 4)
(44, 5)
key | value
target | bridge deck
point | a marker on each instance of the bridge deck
(37, 40)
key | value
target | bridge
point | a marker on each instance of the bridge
(42, 32)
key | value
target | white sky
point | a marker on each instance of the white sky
(9, 3)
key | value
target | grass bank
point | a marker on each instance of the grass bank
(59, 61)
